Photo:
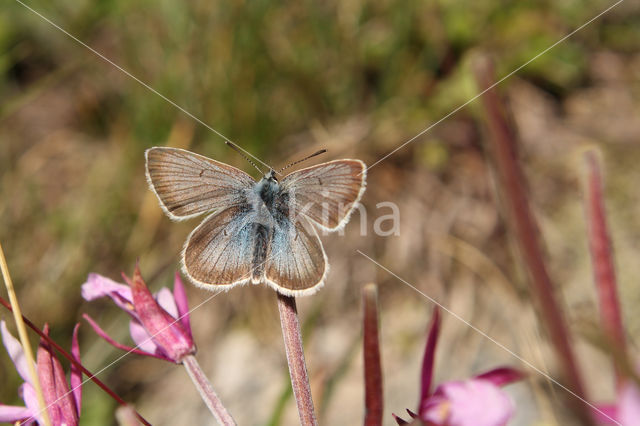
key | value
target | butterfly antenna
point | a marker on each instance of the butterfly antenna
(322, 151)
(239, 150)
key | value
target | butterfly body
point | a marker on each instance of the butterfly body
(268, 215)
(259, 232)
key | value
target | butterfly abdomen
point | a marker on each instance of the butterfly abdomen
(259, 251)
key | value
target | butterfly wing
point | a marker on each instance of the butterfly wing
(189, 184)
(219, 252)
(296, 264)
(326, 193)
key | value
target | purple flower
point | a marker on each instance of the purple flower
(62, 404)
(478, 401)
(159, 325)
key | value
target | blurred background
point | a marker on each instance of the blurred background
(283, 80)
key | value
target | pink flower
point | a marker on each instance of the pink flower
(473, 402)
(62, 404)
(159, 325)
(626, 411)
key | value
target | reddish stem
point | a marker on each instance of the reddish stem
(372, 366)
(602, 259)
(429, 359)
(206, 391)
(503, 144)
(75, 363)
(295, 358)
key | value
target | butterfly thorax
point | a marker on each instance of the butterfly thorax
(267, 189)
(269, 201)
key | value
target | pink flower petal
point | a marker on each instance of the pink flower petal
(473, 402)
(60, 403)
(629, 405)
(165, 299)
(12, 413)
(606, 414)
(141, 338)
(180, 297)
(502, 376)
(167, 333)
(98, 286)
(14, 348)
(30, 398)
(75, 378)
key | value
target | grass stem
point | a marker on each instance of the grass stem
(24, 339)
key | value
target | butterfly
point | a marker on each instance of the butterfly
(256, 231)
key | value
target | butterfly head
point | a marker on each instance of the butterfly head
(271, 176)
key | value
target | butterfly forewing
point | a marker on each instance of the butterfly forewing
(219, 251)
(296, 264)
(189, 184)
(326, 193)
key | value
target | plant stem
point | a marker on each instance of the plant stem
(206, 391)
(24, 339)
(602, 260)
(503, 144)
(295, 358)
(373, 394)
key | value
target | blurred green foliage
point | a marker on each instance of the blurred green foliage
(259, 71)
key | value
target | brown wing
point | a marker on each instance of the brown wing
(326, 193)
(218, 253)
(189, 184)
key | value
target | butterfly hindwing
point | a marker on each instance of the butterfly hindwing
(296, 264)
(189, 184)
(219, 252)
